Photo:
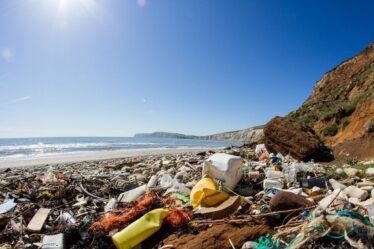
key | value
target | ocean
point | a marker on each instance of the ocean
(32, 148)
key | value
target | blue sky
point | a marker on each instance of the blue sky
(115, 68)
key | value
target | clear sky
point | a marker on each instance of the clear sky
(115, 68)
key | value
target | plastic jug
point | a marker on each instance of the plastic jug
(140, 230)
(206, 193)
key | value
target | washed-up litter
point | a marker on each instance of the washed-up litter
(8, 206)
(37, 222)
(140, 230)
(206, 193)
(224, 167)
(53, 241)
(223, 210)
(156, 201)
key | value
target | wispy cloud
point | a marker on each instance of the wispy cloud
(24, 98)
(144, 100)
(142, 3)
(7, 55)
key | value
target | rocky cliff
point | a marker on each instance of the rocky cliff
(340, 110)
(162, 134)
(249, 135)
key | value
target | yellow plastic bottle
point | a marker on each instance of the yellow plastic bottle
(140, 230)
(206, 193)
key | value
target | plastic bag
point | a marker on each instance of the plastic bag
(178, 187)
(260, 148)
(49, 176)
(166, 181)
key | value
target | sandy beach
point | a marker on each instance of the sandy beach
(11, 163)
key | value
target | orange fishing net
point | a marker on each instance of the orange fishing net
(112, 221)
(176, 217)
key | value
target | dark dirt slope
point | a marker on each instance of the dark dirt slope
(340, 111)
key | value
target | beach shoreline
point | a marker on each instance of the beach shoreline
(98, 156)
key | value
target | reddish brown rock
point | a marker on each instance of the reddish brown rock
(283, 201)
(290, 137)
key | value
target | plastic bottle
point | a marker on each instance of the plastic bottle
(140, 230)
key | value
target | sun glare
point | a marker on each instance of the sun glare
(66, 7)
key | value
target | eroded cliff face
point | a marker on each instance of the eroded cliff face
(249, 135)
(340, 109)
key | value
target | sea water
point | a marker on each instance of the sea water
(28, 148)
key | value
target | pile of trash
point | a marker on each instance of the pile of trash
(233, 198)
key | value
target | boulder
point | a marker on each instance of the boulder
(289, 137)
(282, 201)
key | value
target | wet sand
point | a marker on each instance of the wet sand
(11, 163)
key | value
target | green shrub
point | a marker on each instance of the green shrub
(350, 107)
(343, 122)
(351, 162)
(330, 130)
(327, 115)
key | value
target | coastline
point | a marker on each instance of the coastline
(104, 155)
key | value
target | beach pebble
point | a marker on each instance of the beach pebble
(185, 168)
(353, 191)
(367, 188)
(339, 171)
(336, 185)
(191, 184)
(351, 171)
(367, 203)
(126, 169)
(138, 177)
(249, 245)
(365, 183)
(137, 171)
(354, 200)
(370, 171)
(180, 175)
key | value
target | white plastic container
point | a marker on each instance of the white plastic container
(224, 167)
(269, 183)
(53, 241)
(132, 195)
(273, 174)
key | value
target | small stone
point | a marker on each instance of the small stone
(5, 246)
(370, 171)
(126, 169)
(171, 171)
(367, 188)
(364, 184)
(193, 160)
(191, 184)
(367, 203)
(287, 200)
(354, 200)
(184, 168)
(249, 245)
(180, 175)
(353, 191)
(336, 185)
(351, 171)
(137, 171)
(339, 171)
(138, 177)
